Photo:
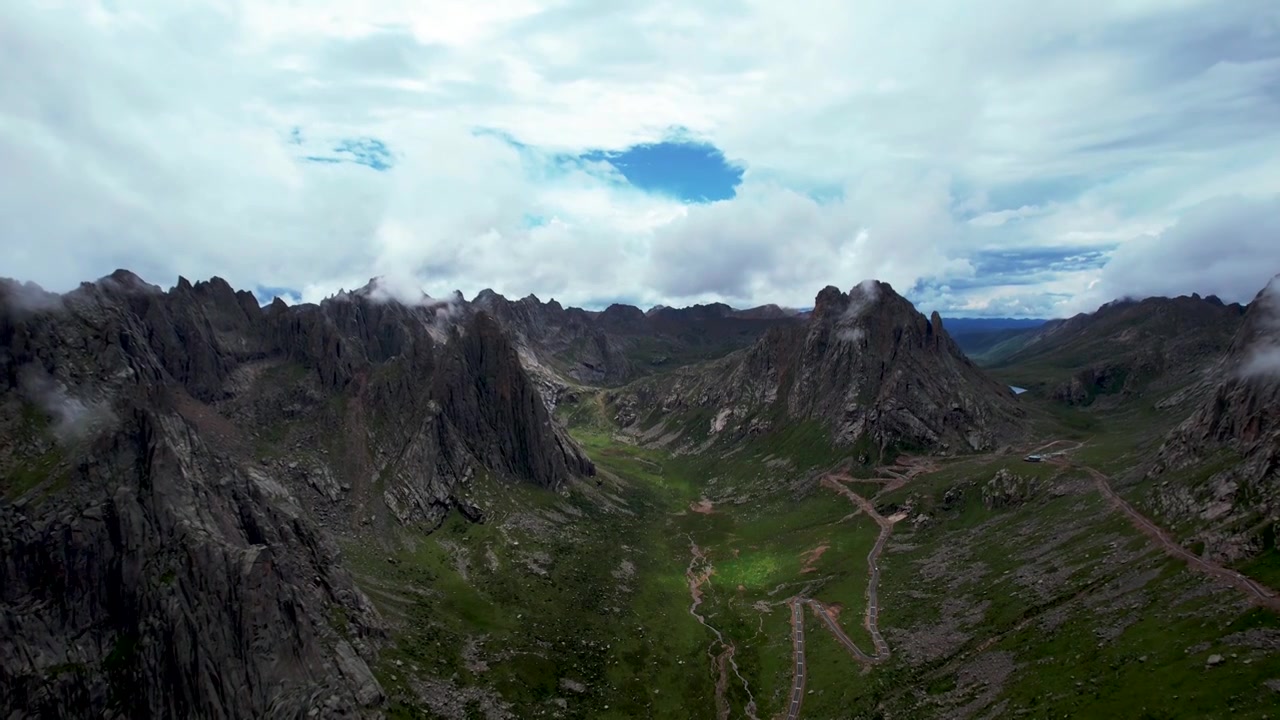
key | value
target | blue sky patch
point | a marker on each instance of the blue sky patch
(680, 167)
(370, 152)
(691, 171)
(1014, 262)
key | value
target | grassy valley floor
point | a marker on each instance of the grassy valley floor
(1007, 589)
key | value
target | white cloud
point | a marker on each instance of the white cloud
(72, 418)
(1229, 247)
(1263, 358)
(1262, 362)
(156, 136)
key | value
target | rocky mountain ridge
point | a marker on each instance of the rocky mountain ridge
(1232, 440)
(864, 364)
(1123, 349)
(176, 459)
(622, 342)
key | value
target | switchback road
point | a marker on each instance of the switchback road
(871, 620)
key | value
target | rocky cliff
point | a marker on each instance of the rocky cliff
(1219, 470)
(622, 342)
(865, 364)
(174, 461)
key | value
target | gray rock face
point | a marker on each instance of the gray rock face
(162, 582)
(865, 364)
(171, 461)
(621, 342)
(1232, 438)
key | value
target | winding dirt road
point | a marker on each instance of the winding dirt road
(1256, 592)
(897, 476)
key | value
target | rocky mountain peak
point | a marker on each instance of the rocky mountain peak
(622, 317)
(866, 299)
(1255, 351)
(766, 312)
(119, 283)
(866, 365)
(830, 302)
(486, 297)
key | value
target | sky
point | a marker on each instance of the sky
(985, 157)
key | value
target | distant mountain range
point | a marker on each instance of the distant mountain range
(978, 336)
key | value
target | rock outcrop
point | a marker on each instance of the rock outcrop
(174, 460)
(865, 364)
(1219, 470)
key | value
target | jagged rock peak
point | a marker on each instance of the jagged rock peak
(125, 281)
(1255, 351)
(1240, 413)
(487, 296)
(830, 302)
(402, 290)
(864, 299)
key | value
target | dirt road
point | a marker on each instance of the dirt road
(798, 674)
(871, 619)
(1256, 592)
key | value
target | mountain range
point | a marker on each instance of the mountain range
(213, 508)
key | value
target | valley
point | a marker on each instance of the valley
(385, 510)
(534, 360)
(755, 585)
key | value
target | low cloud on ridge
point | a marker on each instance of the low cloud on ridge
(1263, 360)
(72, 418)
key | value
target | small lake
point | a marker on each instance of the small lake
(1017, 390)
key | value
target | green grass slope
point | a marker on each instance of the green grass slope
(1046, 604)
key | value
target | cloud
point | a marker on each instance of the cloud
(872, 140)
(861, 298)
(25, 298)
(404, 289)
(73, 418)
(1263, 362)
(851, 335)
(775, 243)
(1227, 247)
(1263, 359)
